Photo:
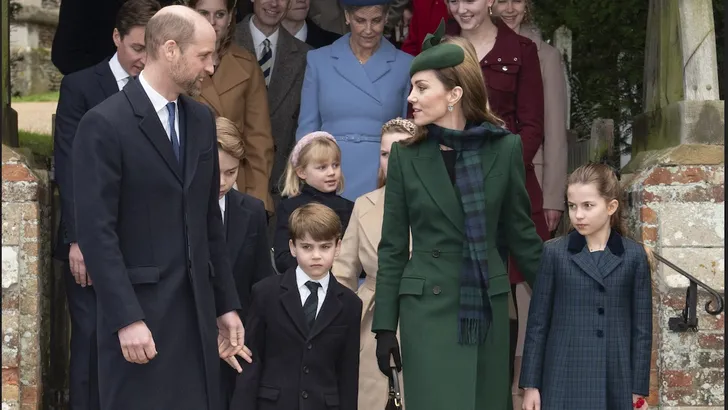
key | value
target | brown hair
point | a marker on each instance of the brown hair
(469, 77)
(320, 149)
(229, 138)
(135, 13)
(224, 45)
(314, 219)
(605, 179)
(397, 125)
(168, 26)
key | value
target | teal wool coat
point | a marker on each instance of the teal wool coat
(422, 292)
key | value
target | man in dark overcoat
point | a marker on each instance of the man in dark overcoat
(146, 184)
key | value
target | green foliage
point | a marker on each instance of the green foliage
(608, 49)
(51, 96)
(40, 145)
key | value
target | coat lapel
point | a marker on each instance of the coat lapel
(362, 77)
(430, 168)
(228, 75)
(237, 222)
(291, 300)
(585, 261)
(609, 261)
(331, 307)
(150, 125)
(613, 255)
(283, 75)
(106, 79)
(371, 219)
(210, 95)
(488, 155)
(194, 129)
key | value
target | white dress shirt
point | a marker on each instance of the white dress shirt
(120, 75)
(259, 37)
(221, 201)
(302, 33)
(160, 106)
(302, 278)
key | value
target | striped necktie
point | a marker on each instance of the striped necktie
(266, 61)
(311, 304)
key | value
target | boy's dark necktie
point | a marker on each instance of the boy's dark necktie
(311, 304)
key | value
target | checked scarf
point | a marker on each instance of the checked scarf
(475, 314)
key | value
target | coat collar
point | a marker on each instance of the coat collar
(237, 222)
(507, 47)
(609, 261)
(106, 78)
(231, 72)
(363, 76)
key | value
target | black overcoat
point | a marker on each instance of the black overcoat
(150, 229)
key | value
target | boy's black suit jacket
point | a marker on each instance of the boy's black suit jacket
(294, 368)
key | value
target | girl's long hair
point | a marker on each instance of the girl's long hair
(321, 149)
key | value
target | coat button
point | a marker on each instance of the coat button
(305, 369)
(499, 60)
(602, 288)
(600, 334)
(435, 253)
(600, 311)
(505, 68)
(515, 58)
(304, 394)
(436, 290)
(309, 346)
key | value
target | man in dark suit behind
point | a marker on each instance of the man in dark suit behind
(82, 36)
(146, 184)
(304, 28)
(81, 91)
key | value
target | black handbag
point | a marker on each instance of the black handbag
(395, 395)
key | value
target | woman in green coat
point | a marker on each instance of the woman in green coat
(459, 186)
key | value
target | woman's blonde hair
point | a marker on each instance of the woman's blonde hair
(469, 77)
(229, 138)
(309, 150)
(397, 125)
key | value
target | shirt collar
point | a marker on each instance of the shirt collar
(302, 32)
(158, 102)
(258, 35)
(116, 69)
(302, 278)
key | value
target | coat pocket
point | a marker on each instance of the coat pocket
(499, 285)
(268, 393)
(503, 77)
(331, 400)
(143, 275)
(411, 286)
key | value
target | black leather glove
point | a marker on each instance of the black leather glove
(388, 347)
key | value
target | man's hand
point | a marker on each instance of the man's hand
(78, 267)
(137, 343)
(553, 217)
(231, 338)
(531, 400)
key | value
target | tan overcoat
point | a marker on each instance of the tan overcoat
(550, 161)
(237, 92)
(359, 252)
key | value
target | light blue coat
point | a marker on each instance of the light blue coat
(352, 101)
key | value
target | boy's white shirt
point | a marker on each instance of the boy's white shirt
(302, 278)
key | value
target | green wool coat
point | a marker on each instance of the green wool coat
(422, 292)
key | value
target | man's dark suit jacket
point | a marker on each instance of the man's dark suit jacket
(152, 236)
(294, 367)
(80, 91)
(247, 244)
(84, 33)
(318, 37)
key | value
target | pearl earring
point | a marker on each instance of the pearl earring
(449, 108)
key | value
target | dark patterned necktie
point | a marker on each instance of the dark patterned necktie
(172, 131)
(266, 61)
(311, 304)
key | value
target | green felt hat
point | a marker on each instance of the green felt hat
(435, 55)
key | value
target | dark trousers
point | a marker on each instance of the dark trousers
(83, 383)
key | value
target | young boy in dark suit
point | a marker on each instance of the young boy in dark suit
(303, 326)
(245, 223)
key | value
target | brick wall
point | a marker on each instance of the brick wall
(25, 288)
(677, 208)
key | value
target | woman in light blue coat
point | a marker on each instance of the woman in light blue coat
(351, 88)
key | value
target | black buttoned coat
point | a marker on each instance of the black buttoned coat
(295, 367)
(589, 335)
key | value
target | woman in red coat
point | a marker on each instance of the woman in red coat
(515, 93)
(426, 16)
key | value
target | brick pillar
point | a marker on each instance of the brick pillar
(25, 287)
(676, 200)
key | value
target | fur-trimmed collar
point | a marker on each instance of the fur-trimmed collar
(614, 243)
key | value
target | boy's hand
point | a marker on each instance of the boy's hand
(245, 353)
(531, 399)
(137, 344)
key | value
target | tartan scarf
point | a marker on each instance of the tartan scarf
(475, 314)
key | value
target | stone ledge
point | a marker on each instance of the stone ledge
(683, 122)
(683, 154)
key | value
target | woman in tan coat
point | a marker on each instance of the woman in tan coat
(359, 252)
(237, 91)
